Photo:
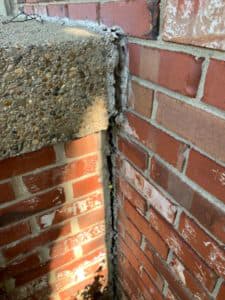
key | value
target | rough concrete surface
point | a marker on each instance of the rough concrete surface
(56, 83)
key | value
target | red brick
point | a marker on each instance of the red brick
(157, 66)
(214, 85)
(39, 240)
(27, 162)
(131, 276)
(6, 192)
(210, 251)
(188, 280)
(68, 211)
(82, 146)
(199, 127)
(30, 206)
(151, 287)
(145, 261)
(207, 173)
(142, 224)
(192, 22)
(133, 259)
(58, 10)
(29, 9)
(155, 139)
(170, 295)
(95, 244)
(70, 293)
(86, 236)
(174, 284)
(56, 216)
(129, 227)
(141, 99)
(132, 16)
(187, 256)
(14, 232)
(91, 218)
(57, 175)
(221, 294)
(22, 265)
(153, 196)
(133, 196)
(82, 11)
(41, 10)
(86, 186)
(136, 155)
(210, 216)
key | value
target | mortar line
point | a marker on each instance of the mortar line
(169, 197)
(181, 98)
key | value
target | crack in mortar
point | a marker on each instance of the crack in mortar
(115, 122)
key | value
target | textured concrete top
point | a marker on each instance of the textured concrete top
(56, 84)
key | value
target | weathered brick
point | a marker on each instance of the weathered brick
(91, 218)
(188, 257)
(153, 197)
(27, 162)
(145, 262)
(14, 232)
(143, 279)
(155, 139)
(134, 153)
(221, 294)
(142, 224)
(82, 146)
(140, 99)
(157, 66)
(133, 277)
(207, 173)
(41, 10)
(214, 85)
(174, 284)
(193, 22)
(86, 186)
(210, 216)
(83, 11)
(133, 196)
(188, 280)
(95, 244)
(58, 10)
(198, 126)
(129, 227)
(86, 236)
(21, 265)
(170, 295)
(38, 240)
(28, 207)
(29, 9)
(6, 192)
(57, 175)
(210, 251)
(132, 16)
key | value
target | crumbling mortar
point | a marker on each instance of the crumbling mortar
(115, 121)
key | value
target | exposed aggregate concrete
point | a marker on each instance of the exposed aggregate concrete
(54, 84)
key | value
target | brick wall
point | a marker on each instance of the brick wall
(52, 217)
(171, 158)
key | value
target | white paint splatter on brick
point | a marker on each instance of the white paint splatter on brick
(130, 130)
(219, 176)
(179, 270)
(152, 195)
(47, 220)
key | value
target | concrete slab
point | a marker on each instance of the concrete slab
(56, 83)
